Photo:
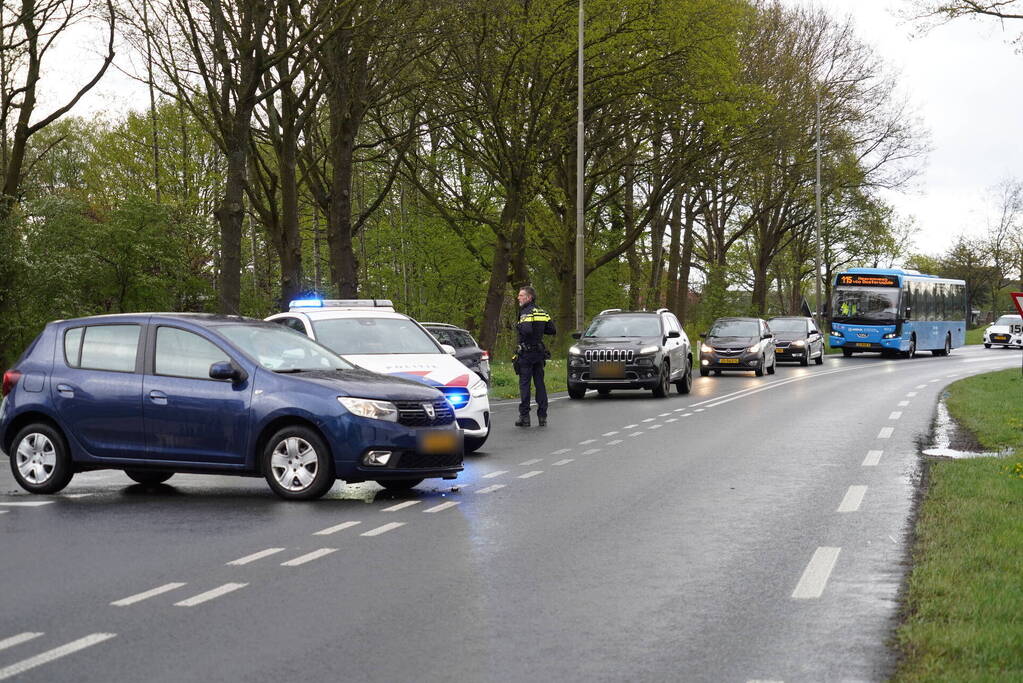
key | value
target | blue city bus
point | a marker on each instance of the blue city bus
(895, 311)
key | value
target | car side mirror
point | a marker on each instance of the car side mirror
(909, 309)
(228, 370)
(577, 335)
(448, 349)
(703, 335)
(766, 335)
(674, 334)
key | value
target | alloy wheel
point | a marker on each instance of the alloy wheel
(294, 464)
(36, 458)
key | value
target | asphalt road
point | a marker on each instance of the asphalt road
(756, 529)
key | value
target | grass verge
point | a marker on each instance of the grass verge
(963, 608)
(504, 383)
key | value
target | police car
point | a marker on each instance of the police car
(371, 334)
(1006, 331)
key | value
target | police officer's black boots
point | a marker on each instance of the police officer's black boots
(523, 421)
(542, 421)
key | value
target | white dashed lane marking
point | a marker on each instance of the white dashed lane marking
(614, 443)
(911, 394)
(18, 639)
(895, 415)
(401, 506)
(561, 451)
(636, 434)
(664, 415)
(498, 473)
(815, 577)
(853, 498)
(672, 419)
(920, 386)
(588, 441)
(55, 653)
(210, 595)
(903, 404)
(385, 528)
(886, 433)
(629, 426)
(529, 475)
(308, 557)
(650, 419)
(442, 506)
(655, 426)
(255, 556)
(873, 458)
(336, 528)
(563, 462)
(699, 410)
(591, 451)
(28, 503)
(609, 433)
(491, 489)
(145, 595)
(4, 512)
(530, 462)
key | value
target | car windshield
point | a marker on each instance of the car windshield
(625, 326)
(367, 336)
(866, 304)
(1009, 320)
(735, 328)
(787, 325)
(281, 349)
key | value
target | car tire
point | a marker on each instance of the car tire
(819, 360)
(805, 360)
(912, 348)
(399, 484)
(774, 366)
(40, 460)
(987, 346)
(474, 443)
(297, 464)
(847, 353)
(576, 392)
(685, 385)
(604, 392)
(759, 372)
(717, 373)
(704, 372)
(148, 477)
(663, 385)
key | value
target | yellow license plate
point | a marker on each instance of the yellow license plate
(780, 349)
(607, 370)
(867, 344)
(438, 441)
(729, 360)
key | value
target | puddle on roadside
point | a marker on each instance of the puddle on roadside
(946, 432)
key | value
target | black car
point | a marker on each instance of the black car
(466, 349)
(631, 350)
(796, 338)
(738, 344)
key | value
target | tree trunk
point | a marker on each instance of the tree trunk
(674, 256)
(229, 215)
(344, 266)
(687, 259)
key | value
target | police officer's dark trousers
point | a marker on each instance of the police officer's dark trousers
(532, 371)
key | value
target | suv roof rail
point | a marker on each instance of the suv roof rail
(385, 304)
(610, 310)
(663, 310)
(454, 327)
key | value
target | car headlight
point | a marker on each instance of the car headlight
(706, 349)
(575, 351)
(646, 350)
(365, 407)
(479, 389)
(890, 335)
(799, 342)
(754, 348)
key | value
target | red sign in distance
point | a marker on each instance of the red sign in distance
(1017, 298)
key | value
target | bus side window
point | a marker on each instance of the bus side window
(907, 302)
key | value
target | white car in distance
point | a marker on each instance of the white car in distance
(371, 334)
(1007, 331)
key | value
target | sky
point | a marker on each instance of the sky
(964, 79)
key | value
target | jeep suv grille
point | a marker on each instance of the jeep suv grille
(610, 355)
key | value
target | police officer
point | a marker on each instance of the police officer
(530, 356)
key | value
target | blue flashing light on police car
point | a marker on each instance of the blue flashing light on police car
(306, 303)
(458, 397)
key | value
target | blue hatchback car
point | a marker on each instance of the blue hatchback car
(158, 393)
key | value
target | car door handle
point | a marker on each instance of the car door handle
(66, 391)
(158, 397)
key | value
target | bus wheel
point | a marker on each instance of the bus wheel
(912, 348)
(948, 347)
(847, 353)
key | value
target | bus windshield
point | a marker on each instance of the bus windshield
(866, 305)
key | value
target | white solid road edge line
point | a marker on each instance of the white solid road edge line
(18, 639)
(145, 595)
(255, 556)
(308, 557)
(852, 500)
(210, 595)
(55, 653)
(815, 576)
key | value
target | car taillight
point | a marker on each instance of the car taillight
(11, 378)
(486, 355)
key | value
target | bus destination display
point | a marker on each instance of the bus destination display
(858, 280)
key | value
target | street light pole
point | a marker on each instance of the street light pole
(580, 246)
(818, 307)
